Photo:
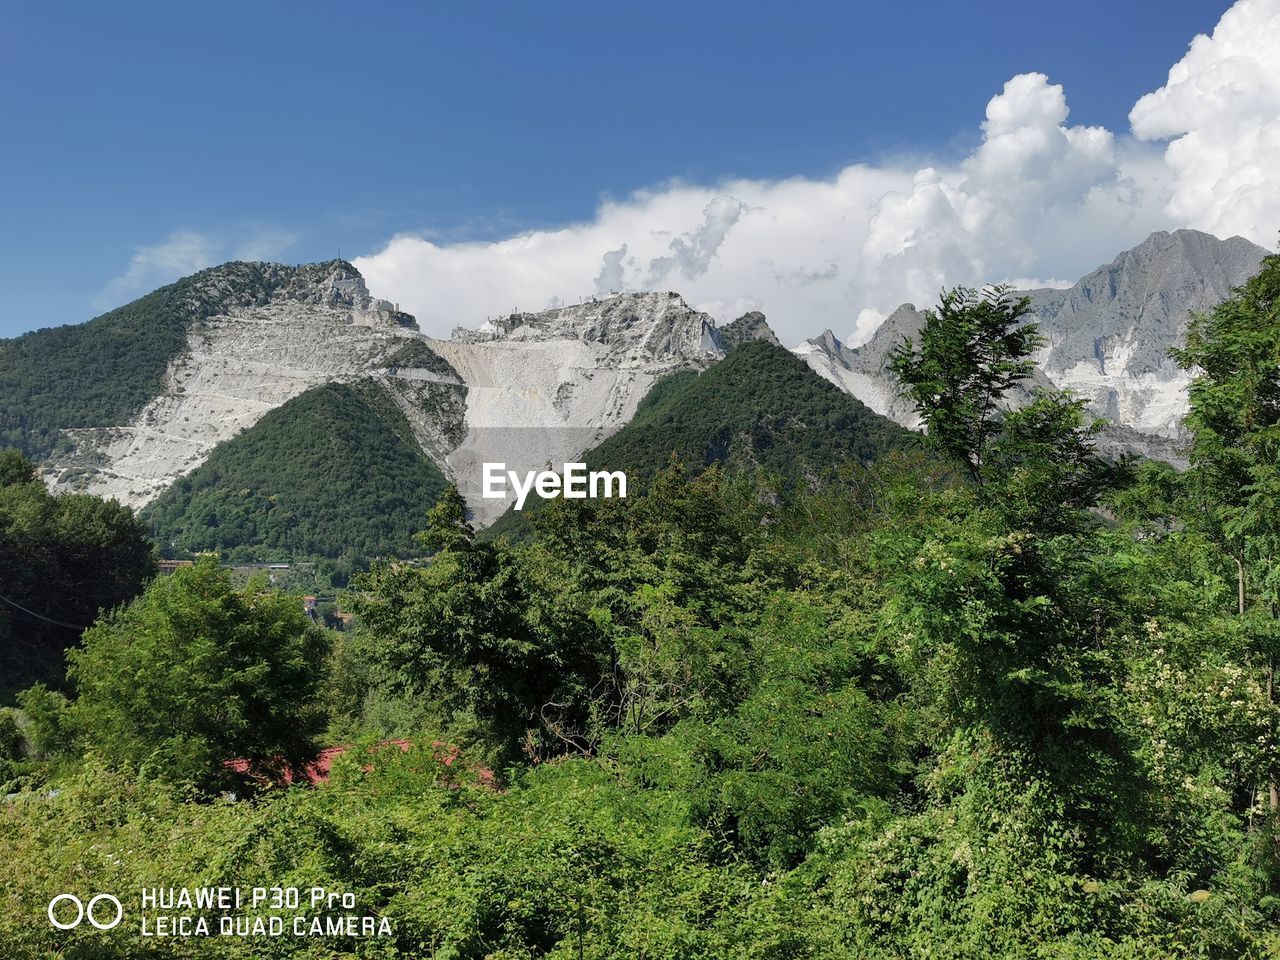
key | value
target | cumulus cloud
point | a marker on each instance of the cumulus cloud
(692, 253)
(1038, 197)
(1220, 109)
(184, 252)
(611, 277)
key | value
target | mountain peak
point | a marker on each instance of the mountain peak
(655, 324)
(1188, 242)
(1107, 336)
(1125, 315)
(825, 342)
(750, 326)
(333, 285)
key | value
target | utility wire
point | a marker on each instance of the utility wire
(41, 616)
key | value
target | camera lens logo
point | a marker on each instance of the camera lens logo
(82, 911)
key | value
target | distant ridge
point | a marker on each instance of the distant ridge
(1108, 337)
(130, 403)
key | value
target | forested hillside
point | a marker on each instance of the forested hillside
(102, 372)
(333, 473)
(759, 409)
(63, 560)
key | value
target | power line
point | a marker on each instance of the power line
(41, 616)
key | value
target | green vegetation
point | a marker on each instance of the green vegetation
(416, 354)
(333, 473)
(62, 561)
(974, 348)
(910, 708)
(103, 372)
(761, 409)
(192, 673)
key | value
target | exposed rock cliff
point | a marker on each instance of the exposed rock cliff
(544, 387)
(271, 333)
(1107, 338)
(748, 327)
(1109, 335)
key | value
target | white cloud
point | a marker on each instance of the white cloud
(1221, 110)
(692, 253)
(184, 252)
(611, 277)
(1038, 197)
(264, 245)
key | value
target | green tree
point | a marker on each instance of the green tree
(464, 643)
(973, 348)
(194, 673)
(988, 590)
(447, 524)
(1234, 352)
(46, 713)
(15, 468)
(63, 559)
(1043, 471)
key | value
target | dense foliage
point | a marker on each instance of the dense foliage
(193, 673)
(335, 472)
(62, 561)
(1015, 705)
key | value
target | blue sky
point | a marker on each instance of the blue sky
(294, 131)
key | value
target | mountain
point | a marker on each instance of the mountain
(748, 327)
(103, 372)
(862, 371)
(126, 404)
(543, 387)
(1107, 338)
(131, 401)
(336, 471)
(1109, 335)
(760, 408)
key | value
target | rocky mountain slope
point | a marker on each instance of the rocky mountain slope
(759, 408)
(228, 345)
(241, 356)
(128, 403)
(544, 387)
(1107, 337)
(746, 329)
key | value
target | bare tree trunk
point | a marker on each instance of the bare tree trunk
(1240, 583)
(1271, 691)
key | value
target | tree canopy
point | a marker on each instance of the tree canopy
(63, 559)
(194, 673)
